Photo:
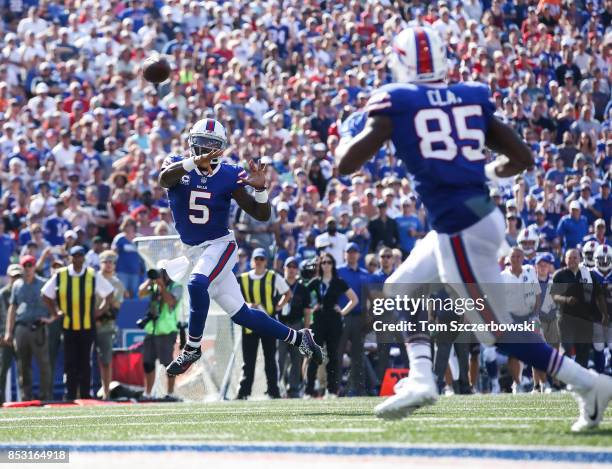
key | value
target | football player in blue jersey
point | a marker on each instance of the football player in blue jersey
(602, 294)
(200, 188)
(440, 131)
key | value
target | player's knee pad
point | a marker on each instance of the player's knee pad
(198, 283)
(489, 354)
(148, 367)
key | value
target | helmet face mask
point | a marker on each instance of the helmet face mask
(528, 241)
(528, 246)
(202, 145)
(205, 136)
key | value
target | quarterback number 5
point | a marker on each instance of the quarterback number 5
(460, 115)
(204, 215)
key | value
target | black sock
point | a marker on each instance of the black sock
(189, 348)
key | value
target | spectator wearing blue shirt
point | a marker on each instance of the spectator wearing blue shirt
(599, 233)
(409, 226)
(7, 249)
(558, 173)
(56, 226)
(129, 264)
(545, 230)
(603, 205)
(574, 227)
(357, 279)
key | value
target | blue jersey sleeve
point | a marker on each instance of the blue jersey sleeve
(488, 107)
(235, 176)
(389, 100)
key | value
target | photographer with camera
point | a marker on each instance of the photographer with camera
(160, 324)
(26, 329)
(105, 325)
(70, 294)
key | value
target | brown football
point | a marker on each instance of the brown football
(156, 69)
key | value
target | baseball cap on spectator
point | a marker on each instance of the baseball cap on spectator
(511, 203)
(319, 147)
(574, 205)
(494, 192)
(77, 251)
(559, 188)
(370, 192)
(41, 88)
(27, 260)
(600, 222)
(406, 201)
(70, 234)
(258, 252)
(14, 269)
(282, 206)
(351, 247)
(541, 210)
(108, 256)
(545, 257)
(291, 261)
(381, 203)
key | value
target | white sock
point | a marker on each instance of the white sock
(194, 343)
(419, 355)
(572, 373)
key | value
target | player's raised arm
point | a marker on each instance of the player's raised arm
(352, 154)
(258, 205)
(503, 139)
(172, 173)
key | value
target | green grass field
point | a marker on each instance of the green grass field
(497, 420)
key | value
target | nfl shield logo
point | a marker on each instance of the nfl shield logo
(203, 180)
(185, 179)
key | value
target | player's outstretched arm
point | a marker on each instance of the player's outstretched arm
(351, 155)
(502, 138)
(259, 206)
(170, 175)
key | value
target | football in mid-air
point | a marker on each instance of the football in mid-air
(156, 69)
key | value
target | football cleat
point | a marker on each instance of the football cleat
(309, 348)
(182, 363)
(413, 393)
(593, 403)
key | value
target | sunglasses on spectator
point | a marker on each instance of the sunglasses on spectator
(292, 266)
(260, 258)
(384, 256)
(28, 264)
(326, 262)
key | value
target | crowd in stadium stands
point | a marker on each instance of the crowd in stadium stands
(83, 136)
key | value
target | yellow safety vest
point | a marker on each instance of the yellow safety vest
(259, 291)
(76, 296)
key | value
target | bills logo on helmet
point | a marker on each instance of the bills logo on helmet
(603, 258)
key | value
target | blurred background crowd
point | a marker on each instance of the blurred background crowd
(82, 135)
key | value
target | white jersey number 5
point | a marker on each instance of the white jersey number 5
(443, 135)
(194, 205)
